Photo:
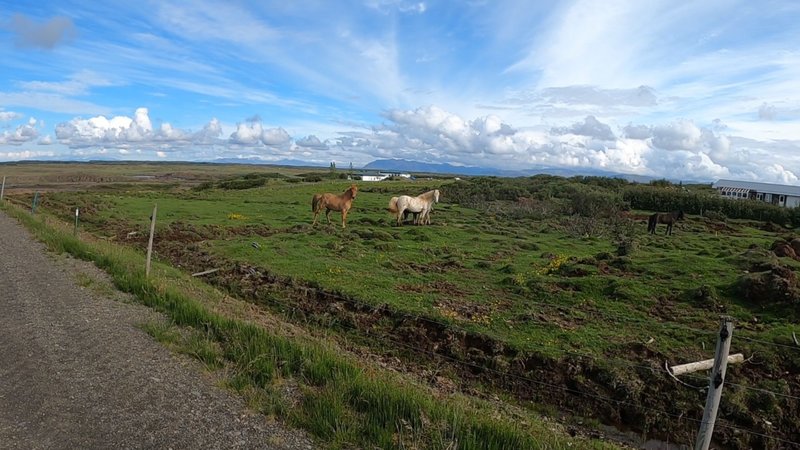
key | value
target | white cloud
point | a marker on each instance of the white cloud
(25, 154)
(678, 149)
(124, 131)
(22, 134)
(680, 135)
(590, 127)
(275, 137)
(7, 116)
(312, 142)
(248, 133)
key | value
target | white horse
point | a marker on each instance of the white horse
(421, 206)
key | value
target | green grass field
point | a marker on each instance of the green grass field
(532, 286)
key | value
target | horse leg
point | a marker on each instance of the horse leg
(344, 217)
(400, 212)
(669, 230)
(328, 215)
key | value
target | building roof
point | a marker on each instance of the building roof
(734, 190)
(768, 188)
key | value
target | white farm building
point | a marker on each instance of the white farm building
(776, 194)
(383, 176)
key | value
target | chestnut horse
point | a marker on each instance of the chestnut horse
(333, 202)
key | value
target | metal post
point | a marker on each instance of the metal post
(35, 200)
(75, 231)
(3, 189)
(715, 384)
(150, 243)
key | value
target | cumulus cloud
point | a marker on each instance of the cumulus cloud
(638, 131)
(22, 134)
(275, 137)
(7, 116)
(590, 127)
(46, 35)
(209, 134)
(252, 133)
(312, 142)
(679, 149)
(680, 135)
(124, 131)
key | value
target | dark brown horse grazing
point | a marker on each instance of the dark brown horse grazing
(333, 202)
(668, 218)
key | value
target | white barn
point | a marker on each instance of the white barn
(776, 194)
(382, 176)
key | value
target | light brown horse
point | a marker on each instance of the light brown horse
(333, 202)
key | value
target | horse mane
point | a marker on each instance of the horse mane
(351, 191)
(430, 196)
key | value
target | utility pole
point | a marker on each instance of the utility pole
(715, 384)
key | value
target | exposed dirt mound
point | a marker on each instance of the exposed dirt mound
(778, 284)
(787, 247)
(771, 227)
(783, 249)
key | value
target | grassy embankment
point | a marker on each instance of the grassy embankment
(302, 380)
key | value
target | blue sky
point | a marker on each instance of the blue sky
(692, 90)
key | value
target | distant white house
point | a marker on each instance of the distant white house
(380, 176)
(776, 194)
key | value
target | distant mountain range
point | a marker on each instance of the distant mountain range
(402, 165)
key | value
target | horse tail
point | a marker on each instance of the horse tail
(393, 205)
(315, 202)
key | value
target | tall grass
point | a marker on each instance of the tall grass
(343, 403)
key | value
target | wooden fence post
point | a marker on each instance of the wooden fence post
(3, 189)
(150, 242)
(75, 231)
(715, 384)
(35, 200)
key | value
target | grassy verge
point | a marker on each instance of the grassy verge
(306, 382)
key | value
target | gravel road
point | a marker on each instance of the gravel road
(77, 372)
